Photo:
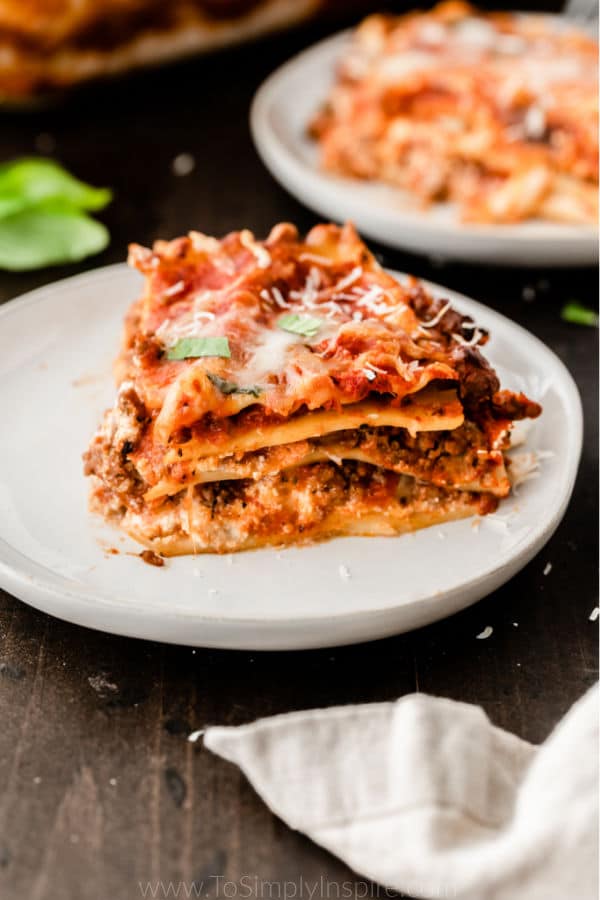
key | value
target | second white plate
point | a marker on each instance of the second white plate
(56, 347)
(280, 112)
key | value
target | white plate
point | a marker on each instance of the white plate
(280, 112)
(56, 347)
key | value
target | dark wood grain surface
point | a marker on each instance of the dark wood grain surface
(101, 795)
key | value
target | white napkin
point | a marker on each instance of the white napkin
(427, 797)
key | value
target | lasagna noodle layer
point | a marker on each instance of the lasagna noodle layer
(311, 503)
(467, 469)
(430, 410)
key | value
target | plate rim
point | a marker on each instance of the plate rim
(51, 587)
(277, 158)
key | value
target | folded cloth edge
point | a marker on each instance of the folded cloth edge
(226, 741)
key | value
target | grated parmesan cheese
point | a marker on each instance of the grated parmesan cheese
(438, 317)
(477, 335)
(278, 298)
(309, 293)
(486, 633)
(528, 293)
(314, 257)
(535, 122)
(175, 289)
(525, 466)
(349, 279)
(333, 309)
(375, 368)
(260, 253)
(183, 164)
(372, 299)
(190, 325)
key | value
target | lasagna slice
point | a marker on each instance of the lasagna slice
(289, 390)
(495, 112)
(49, 45)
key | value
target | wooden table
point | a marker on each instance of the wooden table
(101, 795)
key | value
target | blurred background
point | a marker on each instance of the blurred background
(172, 142)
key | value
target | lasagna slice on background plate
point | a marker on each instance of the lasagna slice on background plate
(289, 390)
(49, 45)
(495, 112)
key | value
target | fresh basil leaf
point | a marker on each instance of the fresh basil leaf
(47, 236)
(579, 315)
(26, 182)
(190, 348)
(228, 387)
(307, 326)
(12, 203)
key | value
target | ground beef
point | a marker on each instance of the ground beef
(506, 405)
(477, 380)
(146, 351)
(452, 322)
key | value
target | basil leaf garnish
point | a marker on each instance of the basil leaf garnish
(578, 314)
(43, 218)
(307, 326)
(39, 237)
(228, 387)
(30, 181)
(190, 348)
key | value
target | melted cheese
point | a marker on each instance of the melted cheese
(319, 502)
(269, 355)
